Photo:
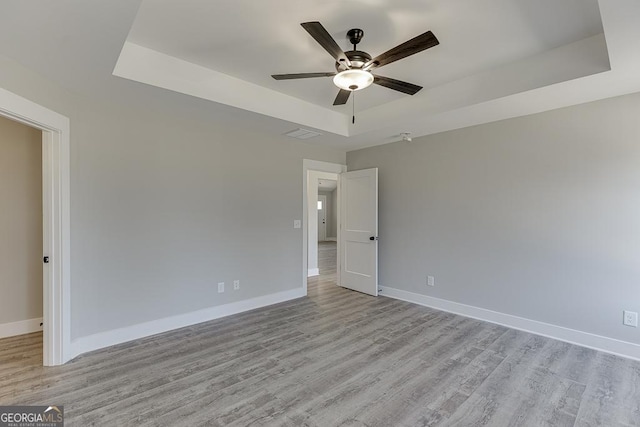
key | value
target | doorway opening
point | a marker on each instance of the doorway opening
(21, 270)
(320, 221)
(56, 237)
(356, 225)
(326, 255)
(322, 190)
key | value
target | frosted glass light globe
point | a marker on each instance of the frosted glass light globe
(353, 79)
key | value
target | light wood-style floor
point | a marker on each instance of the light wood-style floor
(335, 358)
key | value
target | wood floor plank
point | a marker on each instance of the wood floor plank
(612, 397)
(334, 358)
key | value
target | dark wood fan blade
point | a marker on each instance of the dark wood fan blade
(342, 98)
(408, 48)
(301, 76)
(399, 85)
(322, 36)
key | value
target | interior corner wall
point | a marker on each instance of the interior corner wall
(20, 227)
(536, 217)
(168, 199)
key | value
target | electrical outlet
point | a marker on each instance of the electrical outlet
(431, 281)
(236, 285)
(630, 318)
(220, 287)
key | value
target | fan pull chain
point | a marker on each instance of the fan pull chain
(353, 108)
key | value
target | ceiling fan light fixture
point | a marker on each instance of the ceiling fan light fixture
(353, 79)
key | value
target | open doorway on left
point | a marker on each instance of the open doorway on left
(21, 243)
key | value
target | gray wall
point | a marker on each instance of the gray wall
(331, 212)
(537, 217)
(20, 222)
(168, 198)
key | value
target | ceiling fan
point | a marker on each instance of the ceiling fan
(353, 68)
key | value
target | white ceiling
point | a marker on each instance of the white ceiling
(251, 40)
(497, 58)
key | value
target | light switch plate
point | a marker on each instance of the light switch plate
(297, 223)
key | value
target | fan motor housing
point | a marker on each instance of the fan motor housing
(357, 58)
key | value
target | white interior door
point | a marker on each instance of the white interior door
(322, 218)
(359, 231)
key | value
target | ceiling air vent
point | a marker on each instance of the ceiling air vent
(303, 133)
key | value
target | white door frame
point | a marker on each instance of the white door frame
(56, 221)
(314, 165)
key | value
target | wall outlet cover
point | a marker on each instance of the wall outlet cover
(431, 281)
(220, 287)
(297, 223)
(236, 285)
(630, 318)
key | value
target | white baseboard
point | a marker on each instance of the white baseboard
(331, 239)
(141, 330)
(19, 328)
(313, 272)
(572, 336)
